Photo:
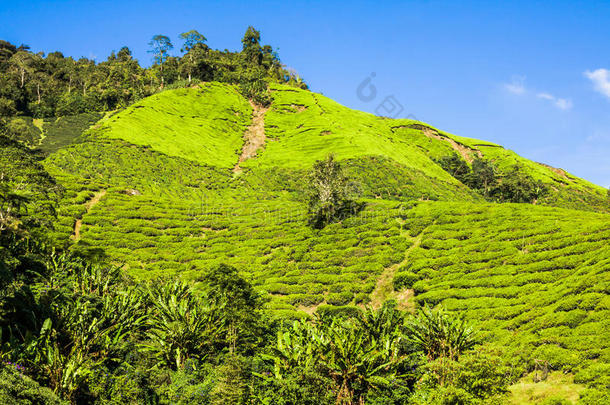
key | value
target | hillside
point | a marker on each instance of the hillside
(161, 187)
(177, 150)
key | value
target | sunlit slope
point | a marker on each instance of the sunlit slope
(392, 159)
(565, 189)
(263, 234)
(204, 124)
(303, 127)
(154, 187)
(536, 278)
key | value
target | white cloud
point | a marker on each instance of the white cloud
(599, 136)
(561, 103)
(601, 80)
(516, 86)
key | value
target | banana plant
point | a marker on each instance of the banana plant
(180, 326)
(357, 355)
(438, 334)
(89, 315)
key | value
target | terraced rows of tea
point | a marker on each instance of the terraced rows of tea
(304, 126)
(266, 236)
(536, 279)
(153, 186)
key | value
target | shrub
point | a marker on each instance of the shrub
(305, 299)
(330, 194)
(558, 358)
(594, 396)
(362, 298)
(404, 280)
(17, 389)
(420, 287)
(342, 298)
(480, 375)
(346, 311)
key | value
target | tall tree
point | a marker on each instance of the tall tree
(6, 51)
(252, 49)
(124, 54)
(160, 47)
(22, 63)
(192, 39)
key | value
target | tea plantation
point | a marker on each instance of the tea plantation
(153, 185)
(536, 279)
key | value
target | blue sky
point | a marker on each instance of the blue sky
(532, 76)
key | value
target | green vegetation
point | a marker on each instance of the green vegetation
(534, 278)
(40, 86)
(16, 388)
(144, 260)
(330, 197)
(514, 186)
(204, 125)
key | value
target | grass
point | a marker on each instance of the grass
(557, 386)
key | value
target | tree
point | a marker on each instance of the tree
(455, 166)
(356, 356)
(232, 381)
(161, 45)
(192, 39)
(251, 47)
(330, 193)
(43, 86)
(85, 68)
(6, 51)
(226, 288)
(181, 326)
(22, 62)
(478, 376)
(124, 55)
(517, 187)
(483, 176)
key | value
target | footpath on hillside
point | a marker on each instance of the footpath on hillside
(254, 136)
(79, 222)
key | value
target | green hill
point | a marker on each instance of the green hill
(160, 186)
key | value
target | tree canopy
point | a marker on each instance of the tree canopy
(39, 85)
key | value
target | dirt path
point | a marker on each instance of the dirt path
(88, 205)
(560, 172)
(254, 137)
(464, 151)
(384, 289)
(39, 123)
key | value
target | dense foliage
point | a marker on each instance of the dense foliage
(330, 193)
(93, 336)
(39, 85)
(138, 265)
(513, 186)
